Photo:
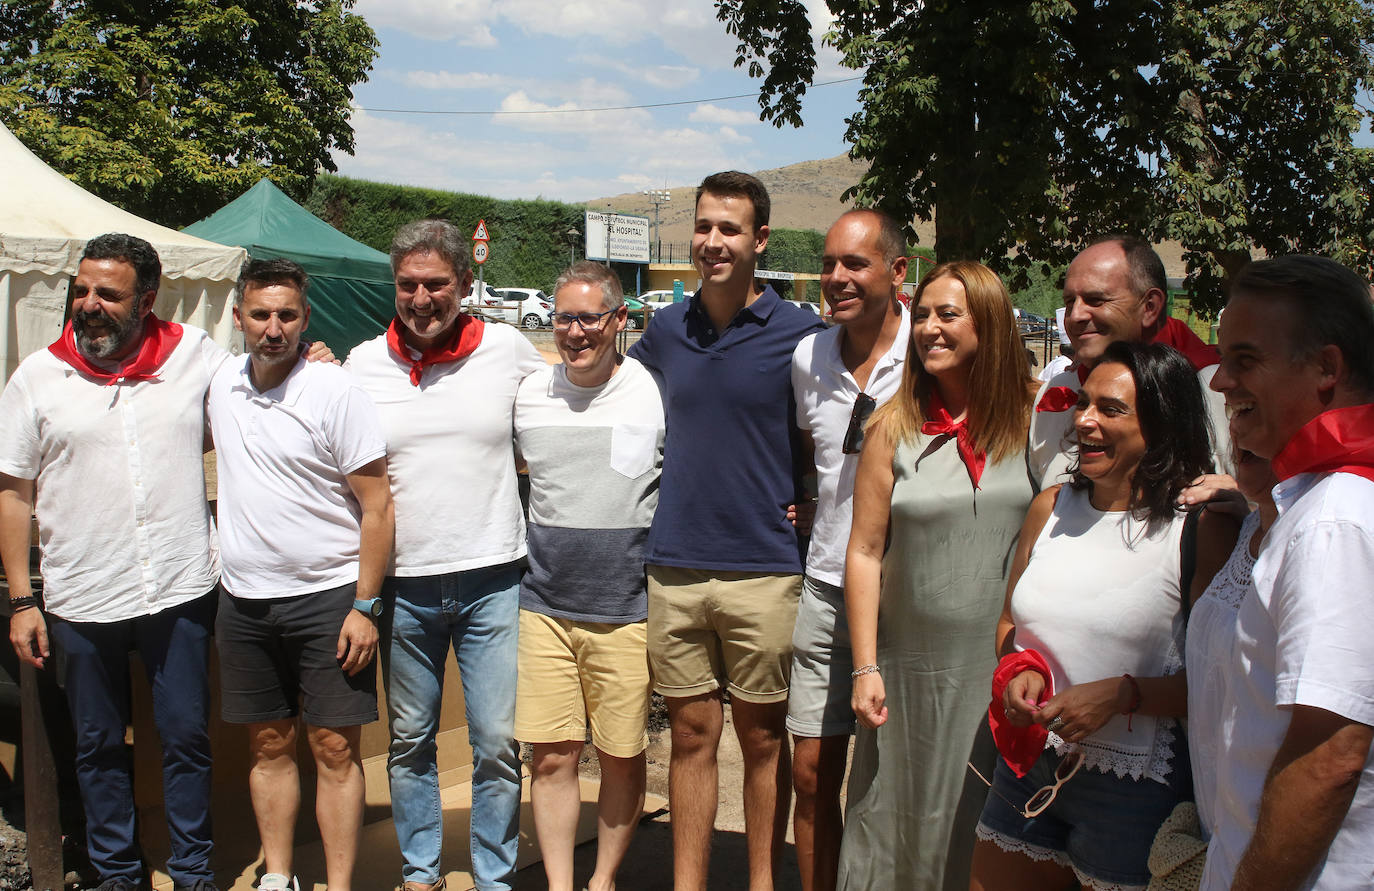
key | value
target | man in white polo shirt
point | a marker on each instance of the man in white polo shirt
(839, 377)
(105, 430)
(306, 526)
(445, 385)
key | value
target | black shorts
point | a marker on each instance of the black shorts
(275, 654)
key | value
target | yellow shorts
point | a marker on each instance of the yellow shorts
(710, 628)
(572, 672)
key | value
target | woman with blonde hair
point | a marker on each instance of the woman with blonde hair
(941, 490)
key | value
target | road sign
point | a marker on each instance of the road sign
(480, 252)
(616, 236)
(480, 234)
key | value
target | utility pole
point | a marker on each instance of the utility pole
(658, 197)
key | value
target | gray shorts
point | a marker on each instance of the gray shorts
(818, 700)
(275, 654)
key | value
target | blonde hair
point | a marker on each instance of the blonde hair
(1000, 386)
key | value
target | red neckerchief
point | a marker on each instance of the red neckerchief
(159, 340)
(940, 424)
(1057, 399)
(1337, 441)
(467, 334)
(1020, 746)
(1181, 337)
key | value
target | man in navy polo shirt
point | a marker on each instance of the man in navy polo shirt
(724, 568)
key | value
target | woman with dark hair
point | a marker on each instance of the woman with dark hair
(1091, 640)
(939, 495)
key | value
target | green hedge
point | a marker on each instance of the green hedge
(529, 242)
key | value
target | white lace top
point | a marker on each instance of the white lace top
(1099, 599)
(1211, 637)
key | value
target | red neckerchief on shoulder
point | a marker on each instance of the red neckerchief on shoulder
(1181, 337)
(1337, 441)
(467, 335)
(159, 340)
(941, 424)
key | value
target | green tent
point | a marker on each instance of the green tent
(352, 294)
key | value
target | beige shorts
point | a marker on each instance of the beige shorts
(712, 628)
(575, 672)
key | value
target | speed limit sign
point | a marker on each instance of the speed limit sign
(480, 251)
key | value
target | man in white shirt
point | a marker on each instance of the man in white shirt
(445, 384)
(104, 432)
(306, 527)
(1294, 771)
(839, 376)
(1115, 289)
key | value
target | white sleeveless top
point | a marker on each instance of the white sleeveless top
(1099, 599)
(1211, 637)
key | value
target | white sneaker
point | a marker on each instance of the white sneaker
(275, 881)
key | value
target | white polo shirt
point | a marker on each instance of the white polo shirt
(450, 451)
(289, 523)
(1302, 639)
(825, 392)
(123, 522)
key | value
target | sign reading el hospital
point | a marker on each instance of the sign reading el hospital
(617, 236)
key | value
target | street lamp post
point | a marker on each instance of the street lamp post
(573, 235)
(658, 197)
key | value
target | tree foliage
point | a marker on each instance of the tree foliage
(529, 239)
(1026, 129)
(170, 108)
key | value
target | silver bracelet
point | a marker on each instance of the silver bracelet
(864, 669)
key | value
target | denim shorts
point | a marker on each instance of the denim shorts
(1099, 824)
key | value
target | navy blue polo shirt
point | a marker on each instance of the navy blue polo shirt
(729, 452)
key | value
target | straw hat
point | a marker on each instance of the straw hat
(1178, 853)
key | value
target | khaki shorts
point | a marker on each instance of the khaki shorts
(572, 672)
(713, 628)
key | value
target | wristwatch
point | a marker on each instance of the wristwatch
(371, 607)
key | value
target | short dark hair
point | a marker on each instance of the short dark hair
(1327, 303)
(1144, 269)
(432, 237)
(1173, 421)
(273, 271)
(590, 272)
(734, 184)
(891, 238)
(132, 250)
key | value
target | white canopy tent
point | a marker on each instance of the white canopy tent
(45, 221)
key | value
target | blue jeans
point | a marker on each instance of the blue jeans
(478, 610)
(174, 646)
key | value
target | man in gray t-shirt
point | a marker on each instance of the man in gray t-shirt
(591, 433)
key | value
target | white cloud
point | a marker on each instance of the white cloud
(714, 114)
(455, 80)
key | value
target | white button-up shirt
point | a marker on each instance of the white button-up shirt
(120, 484)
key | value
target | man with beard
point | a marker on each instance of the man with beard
(305, 523)
(105, 428)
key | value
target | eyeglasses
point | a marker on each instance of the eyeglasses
(1045, 795)
(854, 436)
(590, 321)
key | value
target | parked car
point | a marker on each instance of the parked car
(534, 307)
(660, 299)
(1030, 323)
(640, 313)
(806, 305)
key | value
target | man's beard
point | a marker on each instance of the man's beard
(268, 358)
(111, 340)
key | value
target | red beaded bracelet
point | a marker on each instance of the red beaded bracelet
(1135, 700)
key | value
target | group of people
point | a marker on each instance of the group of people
(1011, 593)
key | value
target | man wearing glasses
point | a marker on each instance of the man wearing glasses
(591, 432)
(445, 383)
(839, 377)
(724, 568)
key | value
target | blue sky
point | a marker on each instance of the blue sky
(537, 55)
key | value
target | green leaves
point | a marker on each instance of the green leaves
(169, 108)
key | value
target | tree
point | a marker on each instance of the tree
(1027, 129)
(169, 108)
